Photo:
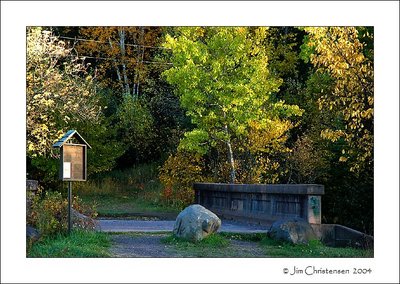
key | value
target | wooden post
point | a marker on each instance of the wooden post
(69, 207)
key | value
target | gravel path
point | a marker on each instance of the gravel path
(147, 245)
(123, 225)
(140, 238)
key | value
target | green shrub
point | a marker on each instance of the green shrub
(49, 212)
(178, 174)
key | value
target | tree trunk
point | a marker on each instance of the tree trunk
(116, 66)
(140, 54)
(121, 33)
(231, 160)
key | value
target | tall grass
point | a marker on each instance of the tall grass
(127, 181)
(124, 192)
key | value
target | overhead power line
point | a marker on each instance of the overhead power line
(106, 58)
(127, 44)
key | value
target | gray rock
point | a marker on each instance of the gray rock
(83, 222)
(32, 234)
(296, 231)
(32, 185)
(195, 223)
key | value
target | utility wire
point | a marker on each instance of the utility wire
(105, 58)
(127, 44)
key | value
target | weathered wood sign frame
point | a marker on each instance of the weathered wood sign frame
(73, 157)
(73, 162)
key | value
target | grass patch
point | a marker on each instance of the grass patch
(314, 249)
(78, 244)
(222, 245)
(253, 237)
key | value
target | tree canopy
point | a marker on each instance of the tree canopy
(222, 79)
(217, 104)
(59, 90)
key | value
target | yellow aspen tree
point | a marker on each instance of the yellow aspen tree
(339, 52)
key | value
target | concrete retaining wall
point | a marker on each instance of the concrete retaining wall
(261, 203)
(336, 235)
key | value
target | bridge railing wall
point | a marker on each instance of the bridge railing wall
(262, 203)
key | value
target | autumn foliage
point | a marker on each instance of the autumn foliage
(59, 89)
(216, 104)
(340, 53)
(178, 174)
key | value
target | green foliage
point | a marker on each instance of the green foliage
(79, 243)
(306, 50)
(135, 118)
(195, 141)
(170, 122)
(106, 149)
(365, 36)
(222, 79)
(49, 213)
(281, 46)
(136, 128)
(45, 169)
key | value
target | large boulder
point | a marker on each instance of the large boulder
(296, 231)
(195, 222)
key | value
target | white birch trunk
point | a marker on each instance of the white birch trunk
(231, 159)
(142, 57)
(116, 66)
(121, 33)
